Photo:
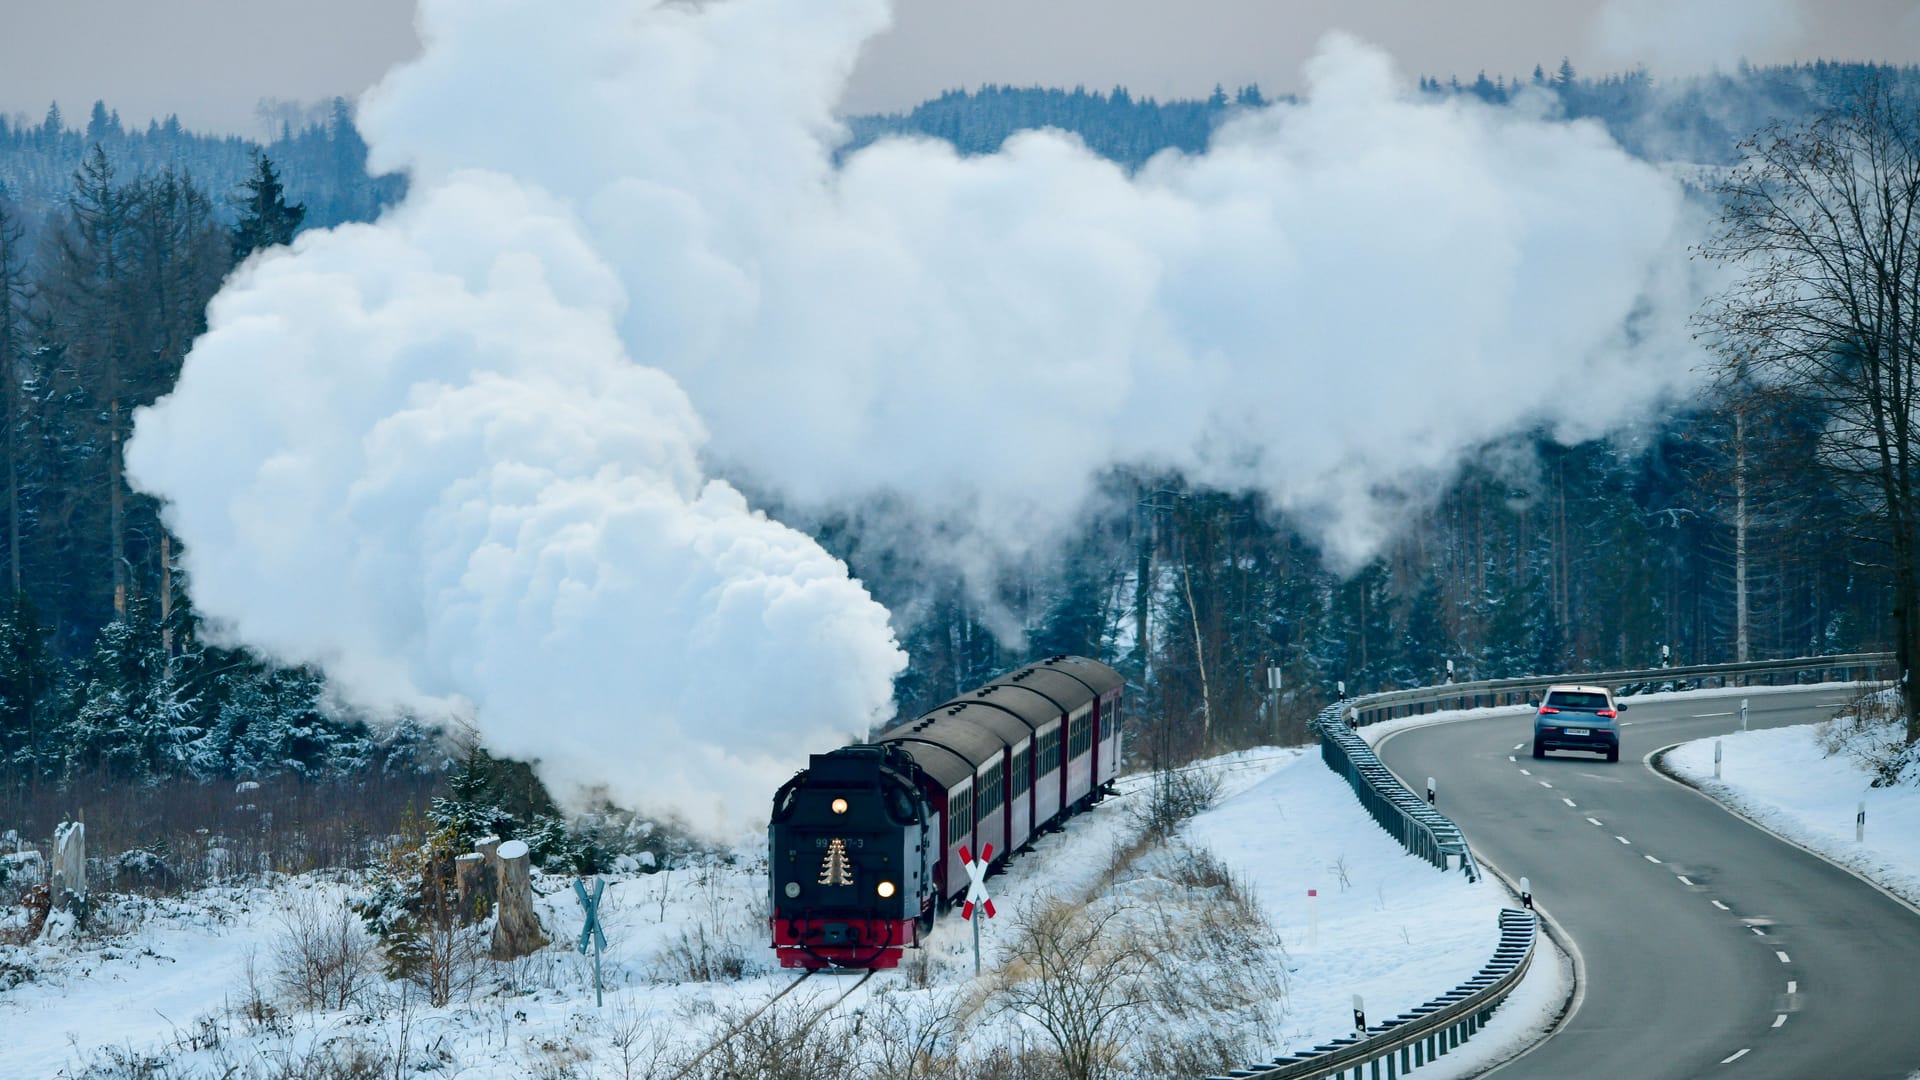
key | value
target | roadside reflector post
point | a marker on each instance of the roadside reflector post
(1743, 714)
(1430, 791)
(1359, 1016)
(1526, 894)
(1860, 823)
(1716, 759)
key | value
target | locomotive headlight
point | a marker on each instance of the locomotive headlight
(885, 889)
(792, 890)
(839, 806)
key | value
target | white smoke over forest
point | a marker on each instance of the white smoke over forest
(473, 453)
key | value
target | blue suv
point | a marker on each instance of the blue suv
(1578, 718)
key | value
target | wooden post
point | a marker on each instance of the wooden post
(517, 932)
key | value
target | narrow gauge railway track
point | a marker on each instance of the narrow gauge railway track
(768, 1004)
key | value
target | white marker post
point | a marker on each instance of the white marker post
(1716, 759)
(1359, 1016)
(1860, 824)
(1526, 894)
(1743, 714)
(976, 894)
(1313, 918)
(1430, 791)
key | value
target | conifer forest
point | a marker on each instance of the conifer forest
(1717, 529)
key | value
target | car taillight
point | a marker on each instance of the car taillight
(1608, 713)
(1548, 710)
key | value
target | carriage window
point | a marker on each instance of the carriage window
(989, 786)
(960, 817)
(1023, 770)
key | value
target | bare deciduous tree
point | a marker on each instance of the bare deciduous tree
(1821, 227)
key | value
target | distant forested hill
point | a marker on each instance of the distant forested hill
(323, 162)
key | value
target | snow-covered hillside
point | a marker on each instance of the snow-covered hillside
(1244, 959)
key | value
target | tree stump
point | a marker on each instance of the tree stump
(473, 881)
(70, 865)
(517, 932)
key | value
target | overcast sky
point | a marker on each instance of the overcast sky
(212, 61)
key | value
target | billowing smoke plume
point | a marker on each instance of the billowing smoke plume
(458, 454)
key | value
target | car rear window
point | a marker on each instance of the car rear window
(1575, 699)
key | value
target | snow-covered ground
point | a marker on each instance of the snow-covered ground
(1784, 780)
(188, 987)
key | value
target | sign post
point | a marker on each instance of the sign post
(976, 894)
(591, 905)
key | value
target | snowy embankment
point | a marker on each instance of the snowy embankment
(1785, 780)
(198, 985)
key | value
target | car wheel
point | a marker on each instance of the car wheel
(1538, 750)
(1613, 753)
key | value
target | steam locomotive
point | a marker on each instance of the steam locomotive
(865, 842)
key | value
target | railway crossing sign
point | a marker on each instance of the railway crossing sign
(976, 894)
(977, 881)
(591, 931)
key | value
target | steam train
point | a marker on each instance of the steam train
(865, 842)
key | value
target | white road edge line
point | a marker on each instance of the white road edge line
(1704, 715)
(1736, 1057)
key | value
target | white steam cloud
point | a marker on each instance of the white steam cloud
(457, 455)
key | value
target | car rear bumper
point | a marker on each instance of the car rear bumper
(1599, 742)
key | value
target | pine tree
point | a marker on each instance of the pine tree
(266, 220)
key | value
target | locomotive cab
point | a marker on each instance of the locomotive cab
(850, 856)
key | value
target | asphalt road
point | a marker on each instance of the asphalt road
(1708, 947)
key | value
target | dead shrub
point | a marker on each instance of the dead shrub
(322, 957)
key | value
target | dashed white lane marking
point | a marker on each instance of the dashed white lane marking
(1510, 757)
(1735, 1057)
(1566, 800)
(1653, 860)
(1721, 906)
(1544, 784)
(1780, 1019)
(1704, 715)
(1783, 956)
(1684, 879)
(1519, 746)
(1595, 821)
(1757, 931)
(1623, 839)
(1526, 772)
(1793, 987)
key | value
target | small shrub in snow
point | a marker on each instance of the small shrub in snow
(1874, 738)
(322, 957)
(145, 870)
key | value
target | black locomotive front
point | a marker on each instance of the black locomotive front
(851, 857)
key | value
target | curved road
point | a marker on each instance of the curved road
(1709, 947)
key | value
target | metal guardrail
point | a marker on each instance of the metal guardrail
(1420, 828)
(1419, 1035)
(1423, 1034)
(1849, 667)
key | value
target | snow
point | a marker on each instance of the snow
(1784, 781)
(168, 980)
